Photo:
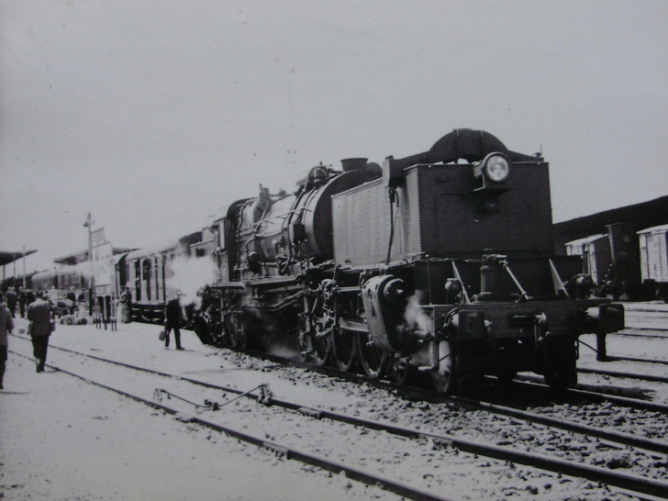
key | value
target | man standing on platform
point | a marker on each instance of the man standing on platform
(11, 300)
(39, 314)
(6, 326)
(71, 300)
(173, 316)
(22, 302)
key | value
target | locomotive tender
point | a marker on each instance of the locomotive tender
(441, 262)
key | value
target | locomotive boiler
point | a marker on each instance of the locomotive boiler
(439, 263)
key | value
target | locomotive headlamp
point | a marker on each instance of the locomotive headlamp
(491, 174)
(496, 168)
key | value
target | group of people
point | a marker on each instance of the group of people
(40, 328)
(18, 297)
(42, 323)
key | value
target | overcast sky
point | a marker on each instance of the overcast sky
(154, 114)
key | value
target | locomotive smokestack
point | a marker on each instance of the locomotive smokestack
(348, 164)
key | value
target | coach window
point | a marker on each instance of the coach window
(146, 275)
(137, 281)
(157, 281)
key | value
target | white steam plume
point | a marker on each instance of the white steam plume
(415, 316)
(188, 275)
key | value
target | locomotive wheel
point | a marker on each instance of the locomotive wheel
(313, 349)
(322, 347)
(345, 349)
(373, 359)
(239, 337)
(444, 377)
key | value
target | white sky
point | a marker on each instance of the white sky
(154, 114)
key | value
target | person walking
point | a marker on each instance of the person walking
(22, 302)
(124, 310)
(6, 326)
(71, 301)
(173, 315)
(129, 318)
(39, 314)
(11, 300)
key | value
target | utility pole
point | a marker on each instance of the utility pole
(89, 224)
(24, 267)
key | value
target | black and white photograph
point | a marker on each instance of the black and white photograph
(295, 250)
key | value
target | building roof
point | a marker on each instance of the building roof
(10, 257)
(655, 229)
(81, 256)
(586, 240)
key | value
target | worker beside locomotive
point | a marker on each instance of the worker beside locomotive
(428, 264)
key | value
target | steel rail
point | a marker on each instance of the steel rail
(634, 403)
(609, 435)
(433, 397)
(614, 358)
(626, 375)
(629, 333)
(288, 452)
(631, 482)
(533, 417)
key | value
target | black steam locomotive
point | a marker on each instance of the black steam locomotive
(441, 263)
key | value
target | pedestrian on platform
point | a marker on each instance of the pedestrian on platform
(71, 301)
(124, 310)
(129, 304)
(6, 326)
(173, 316)
(41, 326)
(12, 299)
(22, 302)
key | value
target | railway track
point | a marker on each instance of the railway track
(625, 375)
(611, 358)
(563, 420)
(632, 482)
(583, 392)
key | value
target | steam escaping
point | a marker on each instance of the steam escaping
(188, 275)
(415, 317)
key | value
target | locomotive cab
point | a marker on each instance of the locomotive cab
(471, 244)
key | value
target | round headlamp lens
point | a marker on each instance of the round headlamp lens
(497, 168)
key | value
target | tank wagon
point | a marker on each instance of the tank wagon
(441, 262)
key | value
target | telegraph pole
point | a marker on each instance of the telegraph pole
(24, 267)
(89, 224)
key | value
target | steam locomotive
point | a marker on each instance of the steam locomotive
(439, 263)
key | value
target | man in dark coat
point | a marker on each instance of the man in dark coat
(6, 326)
(11, 300)
(22, 302)
(71, 300)
(39, 314)
(126, 303)
(173, 317)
